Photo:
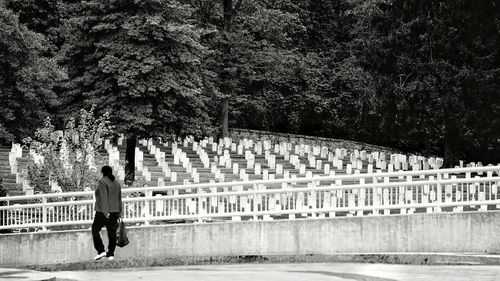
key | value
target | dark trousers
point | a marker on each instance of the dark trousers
(111, 224)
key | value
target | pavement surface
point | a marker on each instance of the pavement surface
(357, 267)
(383, 258)
(22, 274)
(278, 272)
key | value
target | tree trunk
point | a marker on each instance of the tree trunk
(450, 158)
(224, 118)
(228, 14)
(450, 143)
(224, 109)
(130, 160)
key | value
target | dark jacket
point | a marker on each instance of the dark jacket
(108, 196)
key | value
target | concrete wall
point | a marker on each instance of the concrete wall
(448, 232)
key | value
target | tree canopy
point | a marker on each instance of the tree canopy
(421, 76)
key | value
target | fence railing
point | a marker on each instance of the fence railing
(464, 189)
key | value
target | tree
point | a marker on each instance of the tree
(140, 61)
(340, 92)
(251, 54)
(437, 66)
(26, 78)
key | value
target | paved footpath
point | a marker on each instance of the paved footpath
(301, 271)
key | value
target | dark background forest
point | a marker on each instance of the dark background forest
(422, 76)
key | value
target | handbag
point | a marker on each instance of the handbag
(121, 234)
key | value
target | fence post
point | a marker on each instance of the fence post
(439, 200)
(254, 202)
(147, 212)
(375, 197)
(44, 213)
(200, 205)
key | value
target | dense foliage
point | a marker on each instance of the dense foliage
(27, 78)
(417, 75)
(140, 61)
(437, 67)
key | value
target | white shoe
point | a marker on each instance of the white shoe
(110, 258)
(100, 256)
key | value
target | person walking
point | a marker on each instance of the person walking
(108, 208)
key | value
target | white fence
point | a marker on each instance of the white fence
(464, 189)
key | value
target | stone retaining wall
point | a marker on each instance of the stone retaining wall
(311, 140)
(473, 232)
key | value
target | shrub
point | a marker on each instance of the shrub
(70, 158)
